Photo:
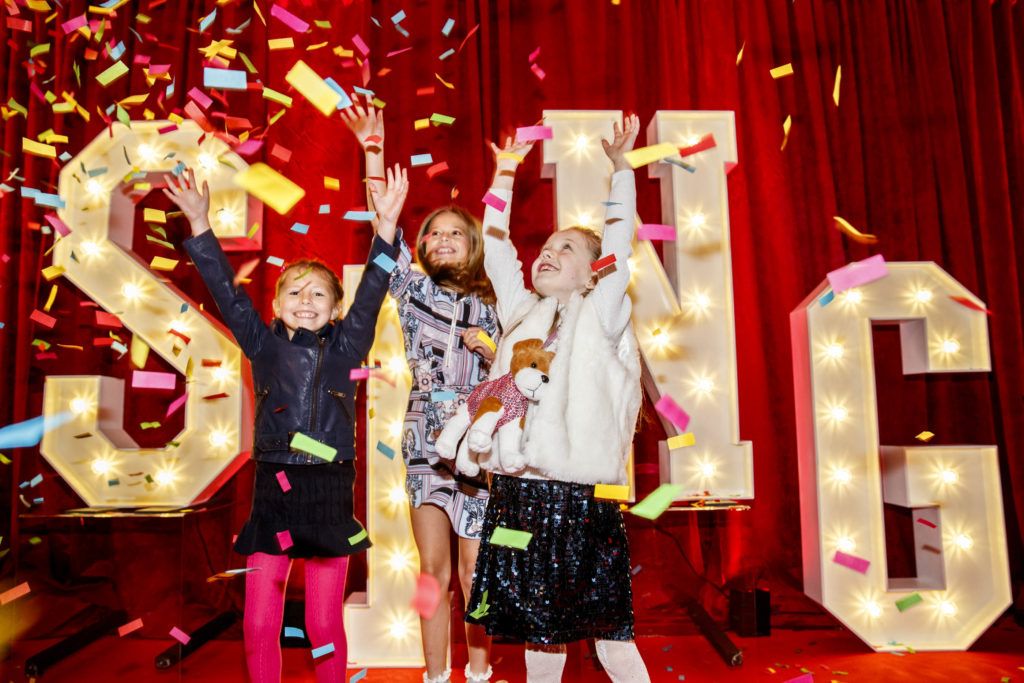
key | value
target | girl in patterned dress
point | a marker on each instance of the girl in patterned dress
(449, 325)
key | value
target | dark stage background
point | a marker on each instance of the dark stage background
(924, 151)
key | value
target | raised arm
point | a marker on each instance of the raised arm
(501, 261)
(613, 306)
(367, 124)
(234, 304)
(359, 325)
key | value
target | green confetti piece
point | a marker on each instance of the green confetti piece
(357, 538)
(111, 74)
(35, 540)
(149, 425)
(482, 609)
(903, 604)
(657, 502)
(301, 442)
(442, 119)
(511, 538)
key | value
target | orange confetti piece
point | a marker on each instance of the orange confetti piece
(853, 233)
(14, 593)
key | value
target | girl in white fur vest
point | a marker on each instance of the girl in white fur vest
(572, 581)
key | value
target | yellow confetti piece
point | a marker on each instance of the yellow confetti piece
(853, 233)
(835, 88)
(139, 352)
(249, 66)
(114, 72)
(49, 137)
(154, 216)
(274, 96)
(280, 44)
(133, 100)
(342, 52)
(518, 158)
(445, 83)
(786, 125)
(51, 272)
(38, 5)
(925, 436)
(41, 49)
(313, 88)
(782, 71)
(611, 492)
(647, 155)
(681, 441)
(164, 264)
(270, 187)
(38, 149)
(487, 341)
(142, 187)
(50, 299)
(331, 183)
(420, 124)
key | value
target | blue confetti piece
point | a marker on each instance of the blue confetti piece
(225, 79)
(421, 160)
(93, 172)
(51, 200)
(345, 100)
(325, 209)
(118, 50)
(387, 450)
(363, 91)
(447, 53)
(323, 650)
(438, 396)
(398, 16)
(64, 156)
(36, 481)
(3, 325)
(402, 31)
(360, 215)
(300, 228)
(448, 26)
(275, 261)
(113, 482)
(37, 501)
(385, 262)
(178, 169)
(30, 432)
(358, 677)
(827, 298)
(205, 22)
(169, 91)
(293, 632)
(184, 308)
(375, 21)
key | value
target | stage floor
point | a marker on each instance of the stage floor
(830, 655)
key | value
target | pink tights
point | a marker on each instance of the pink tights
(264, 614)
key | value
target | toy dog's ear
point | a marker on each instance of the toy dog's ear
(528, 345)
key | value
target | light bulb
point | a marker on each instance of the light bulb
(853, 296)
(81, 406)
(950, 346)
(963, 541)
(398, 629)
(707, 470)
(207, 161)
(395, 430)
(101, 466)
(219, 438)
(697, 221)
(949, 476)
(227, 217)
(838, 414)
(397, 494)
(846, 544)
(91, 248)
(923, 296)
(399, 560)
(947, 608)
(873, 609)
(131, 291)
(692, 140)
(841, 475)
(583, 219)
(704, 385)
(222, 374)
(835, 351)
(147, 152)
(397, 364)
(93, 187)
(581, 143)
(164, 477)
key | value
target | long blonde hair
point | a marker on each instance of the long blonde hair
(469, 278)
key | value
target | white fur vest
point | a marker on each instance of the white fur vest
(582, 428)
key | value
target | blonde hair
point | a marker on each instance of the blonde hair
(469, 278)
(591, 237)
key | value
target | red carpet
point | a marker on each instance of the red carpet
(829, 655)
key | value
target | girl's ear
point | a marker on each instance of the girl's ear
(277, 308)
(336, 312)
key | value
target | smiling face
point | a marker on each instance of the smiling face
(305, 299)
(563, 266)
(445, 242)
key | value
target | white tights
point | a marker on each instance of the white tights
(621, 661)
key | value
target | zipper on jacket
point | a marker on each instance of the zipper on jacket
(340, 395)
(316, 385)
(261, 397)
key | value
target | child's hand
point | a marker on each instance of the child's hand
(473, 342)
(622, 142)
(366, 124)
(194, 204)
(510, 156)
(388, 204)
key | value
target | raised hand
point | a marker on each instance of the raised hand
(193, 203)
(388, 203)
(506, 160)
(367, 124)
(622, 142)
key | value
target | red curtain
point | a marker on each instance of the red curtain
(924, 151)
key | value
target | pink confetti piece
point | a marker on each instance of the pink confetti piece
(147, 379)
(180, 635)
(858, 273)
(284, 539)
(200, 98)
(530, 133)
(60, 226)
(672, 412)
(249, 147)
(857, 564)
(359, 373)
(74, 24)
(289, 19)
(538, 72)
(176, 404)
(533, 55)
(493, 200)
(131, 626)
(654, 231)
(286, 486)
(360, 45)
(427, 596)
(922, 520)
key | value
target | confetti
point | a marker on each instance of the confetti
(284, 539)
(427, 596)
(439, 396)
(160, 381)
(112, 73)
(857, 564)
(681, 441)
(486, 340)
(303, 443)
(359, 216)
(482, 608)
(270, 187)
(358, 676)
(293, 632)
(671, 411)
(420, 160)
(355, 539)
(657, 502)
(385, 262)
(445, 30)
(969, 303)
(602, 263)
(648, 155)
(858, 273)
(656, 232)
(289, 19)
(925, 436)
(23, 434)
(853, 233)
(531, 133)
(282, 480)
(313, 88)
(358, 373)
(494, 201)
(180, 636)
(14, 593)
(903, 604)
(29, 146)
(835, 88)
(782, 71)
(224, 79)
(786, 126)
(131, 626)
(163, 264)
(386, 450)
(611, 491)
(323, 650)
(511, 538)
(705, 143)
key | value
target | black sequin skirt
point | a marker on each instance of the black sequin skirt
(316, 512)
(573, 580)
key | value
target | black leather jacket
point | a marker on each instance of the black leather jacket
(302, 384)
